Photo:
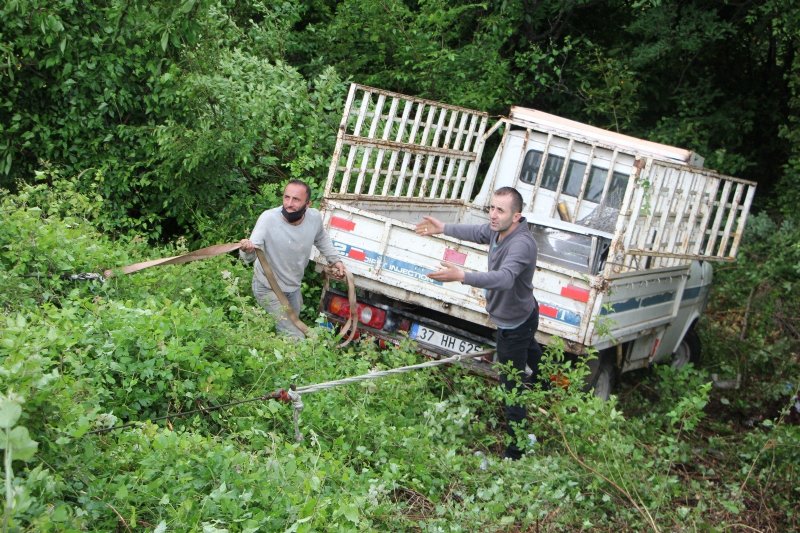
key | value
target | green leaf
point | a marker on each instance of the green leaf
(350, 512)
(164, 40)
(21, 445)
(122, 492)
(187, 6)
(10, 412)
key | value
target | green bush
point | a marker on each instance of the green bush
(417, 451)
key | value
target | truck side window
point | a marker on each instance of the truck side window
(530, 166)
(597, 179)
(575, 172)
(594, 190)
(616, 191)
(552, 171)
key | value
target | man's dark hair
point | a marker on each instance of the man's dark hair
(304, 184)
(516, 197)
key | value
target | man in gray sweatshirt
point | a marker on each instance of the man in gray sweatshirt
(286, 235)
(508, 285)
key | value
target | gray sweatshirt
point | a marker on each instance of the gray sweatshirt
(288, 247)
(509, 281)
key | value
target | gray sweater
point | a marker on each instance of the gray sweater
(509, 281)
(288, 247)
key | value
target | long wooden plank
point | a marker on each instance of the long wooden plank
(438, 175)
(709, 195)
(719, 205)
(418, 157)
(477, 147)
(426, 174)
(751, 191)
(667, 197)
(337, 152)
(451, 165)
(401, 178)
(351, 156)
(733, 211)
(367, 153)
(694, 198)
(401, 127)
(387, 129)
(463, 185)
(651, 189)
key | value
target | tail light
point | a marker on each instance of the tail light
(368, 315)
(339, 306)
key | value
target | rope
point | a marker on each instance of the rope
(202, 253)
(276, 288)
(219, 249)
(352, 321)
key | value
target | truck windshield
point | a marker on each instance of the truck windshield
(584, 253)
(574, 177)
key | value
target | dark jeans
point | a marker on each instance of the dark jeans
(519, 346)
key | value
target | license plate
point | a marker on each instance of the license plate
(443, 340)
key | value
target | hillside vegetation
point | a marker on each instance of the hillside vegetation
(137, 130)
(415, 451)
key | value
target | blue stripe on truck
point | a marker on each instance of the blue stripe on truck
(390, 264)
(637, 303)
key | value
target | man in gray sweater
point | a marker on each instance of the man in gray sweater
(508, 285)
(286, 235)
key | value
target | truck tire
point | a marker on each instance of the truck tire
(688, 350)
(603, 375)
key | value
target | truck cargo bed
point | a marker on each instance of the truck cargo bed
(624, 227)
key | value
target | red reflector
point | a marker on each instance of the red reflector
(576, 293)
(358, 255)
(546, 310)
(343, 223)
(454, 257)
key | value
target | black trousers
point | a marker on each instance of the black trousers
(519, 346)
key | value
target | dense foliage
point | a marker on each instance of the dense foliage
(173, 108)
(416, 451)
(132, 130)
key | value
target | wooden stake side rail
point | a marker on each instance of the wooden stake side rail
(401, 148)
(398, 146)
(679, 213)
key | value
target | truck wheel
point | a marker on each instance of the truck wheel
(603, 375)
(688, 350)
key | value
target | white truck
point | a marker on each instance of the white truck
(625, 229)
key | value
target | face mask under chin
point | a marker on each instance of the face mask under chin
(293, 217)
